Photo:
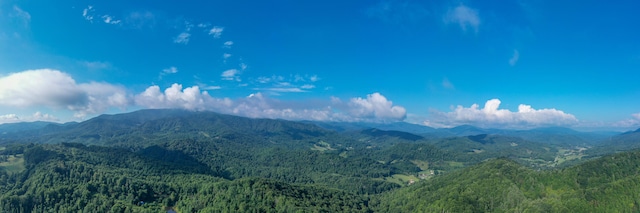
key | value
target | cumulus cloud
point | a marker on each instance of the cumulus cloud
(216, 31)
(492, 116)
(464, 16)
(9, 118)
(37, 116)
(514, 59)
(190, 98)
(376, 106)
(58, 90)
(182, 38)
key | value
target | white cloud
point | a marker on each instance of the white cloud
(308, 86)
(9, 118)
(447, 84)
(464, 16)
(492, 116)
(212, 88)
(190, 98)
(226, 56)
(203, 25)
(376, 106)
(57, 90)
(170, 70)
(87, 13)
(96, 65)
(37, 116)
(397, 12)
(141, 19)
(230, 75)
(182, 38)
(228, 44)
(282, 89)
(216, 31)
(22, 15)
(110, 19)
(514, 59)
(314, 78)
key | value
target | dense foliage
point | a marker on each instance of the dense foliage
(154, 161)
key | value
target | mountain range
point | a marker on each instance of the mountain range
(161, 160)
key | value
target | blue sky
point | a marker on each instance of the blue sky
(507, 64)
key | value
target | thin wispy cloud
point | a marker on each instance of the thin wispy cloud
(167, 71)
(87, 13)
(308, 86)
(182, 38)
(447, 84)
(514, 59)
(397, 12)
(226, 56)
(216, 31)
(231, 75)
(110, 19)
(464, 16)
(228, 44)
(96, 65)
(170, 70)
(141, 19)
(21, 15)
(282, 89)
(212, 88)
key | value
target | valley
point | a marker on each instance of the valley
(154, 160)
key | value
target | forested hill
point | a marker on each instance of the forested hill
(609, 184)
(150, 126)
(160, 160)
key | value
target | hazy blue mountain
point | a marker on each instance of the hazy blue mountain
(621, 142)
(153, 125)
(23, 126)
(354, 126)
(397, 134)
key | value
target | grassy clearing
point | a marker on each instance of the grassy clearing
(322, 146)
(401, 179)
(13, 164)
(455, 164)
(423, 165)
